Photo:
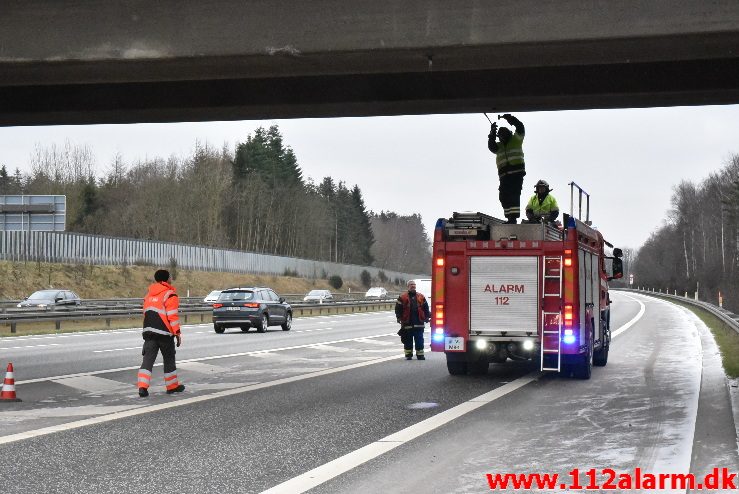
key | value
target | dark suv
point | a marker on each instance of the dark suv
(246, 307)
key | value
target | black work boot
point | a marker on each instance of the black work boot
(409, 357)
(420, 357)
(512, 220)
(178, 389)
(143, 392)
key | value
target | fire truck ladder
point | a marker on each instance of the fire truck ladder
(552, 271)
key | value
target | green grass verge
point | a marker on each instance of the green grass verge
(726, 338)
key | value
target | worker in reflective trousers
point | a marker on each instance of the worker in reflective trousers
(412, 311)
(161, 329)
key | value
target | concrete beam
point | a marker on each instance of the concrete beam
(136, 61)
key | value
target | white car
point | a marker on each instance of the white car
(318, 296)
(212, 297)
(376, 292)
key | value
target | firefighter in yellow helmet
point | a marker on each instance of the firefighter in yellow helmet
(542, 205)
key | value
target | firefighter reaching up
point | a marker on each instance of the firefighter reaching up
(542, 205)
(508, 152)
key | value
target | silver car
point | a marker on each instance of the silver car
(318, 296)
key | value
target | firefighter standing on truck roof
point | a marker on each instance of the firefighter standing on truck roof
(511, 167)
(412, 311)
(161, 328)
(542, 205)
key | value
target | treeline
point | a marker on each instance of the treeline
(253, 198)
(698, 247)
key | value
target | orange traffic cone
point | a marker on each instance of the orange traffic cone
(8, 391)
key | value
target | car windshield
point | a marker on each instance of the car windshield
(317, 292)
(235, 296)
(43, 295)
(374, 291)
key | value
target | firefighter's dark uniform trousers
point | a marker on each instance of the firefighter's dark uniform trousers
(407, 337)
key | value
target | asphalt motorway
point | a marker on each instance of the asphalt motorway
(289, 411)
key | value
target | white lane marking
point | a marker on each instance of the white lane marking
(341, 465)
(199, 359)
(203, 368)
(329, 348)
(28, 346)
(376, 342)
(181, 402)
(118, 349)
(634, 320)
(332, 469)
(92, 384)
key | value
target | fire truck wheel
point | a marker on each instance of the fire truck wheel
(600, 358)
(585, 368)
(455, 365)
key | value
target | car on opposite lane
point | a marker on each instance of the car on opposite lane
(376, 292)
(50, 299)
(318, 296)
(252, 306)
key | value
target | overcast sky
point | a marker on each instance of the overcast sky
(628, 160)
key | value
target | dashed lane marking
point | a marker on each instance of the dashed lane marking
(28, 346)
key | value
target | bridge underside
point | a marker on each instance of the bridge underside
(482, 63)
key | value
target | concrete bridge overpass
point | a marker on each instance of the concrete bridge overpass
(80, 62)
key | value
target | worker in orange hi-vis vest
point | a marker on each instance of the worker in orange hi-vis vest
(161, 329)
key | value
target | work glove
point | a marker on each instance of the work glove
(506, 116)
(493, 131)
(179, 340)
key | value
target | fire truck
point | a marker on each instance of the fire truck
(534, 292)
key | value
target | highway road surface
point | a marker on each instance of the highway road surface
(332, 406)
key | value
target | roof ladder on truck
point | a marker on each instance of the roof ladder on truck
(551, 319)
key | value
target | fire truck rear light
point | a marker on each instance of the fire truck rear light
(440, 261)
(570, 338)
(481, 344)
(528, 345)
(568, 262)
(568, 332)
(568, 315)
(438, 337)
(439, 330)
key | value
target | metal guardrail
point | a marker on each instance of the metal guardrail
(731, 319)
(186, 311)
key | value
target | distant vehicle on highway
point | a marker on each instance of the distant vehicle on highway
(318, 296)
(47, 299)
(252, 306)
(376, 292)
(212, 296)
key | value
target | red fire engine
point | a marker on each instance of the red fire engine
(521, 291)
